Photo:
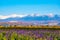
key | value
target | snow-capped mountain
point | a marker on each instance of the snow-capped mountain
(30, 17)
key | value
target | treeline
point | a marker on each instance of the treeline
(30, 26)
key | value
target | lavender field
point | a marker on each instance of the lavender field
(29, 34)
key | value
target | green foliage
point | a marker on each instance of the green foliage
(29, 35)
(14, 36)
(2, 36)
(22, 37)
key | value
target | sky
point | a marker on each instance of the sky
(8, 7)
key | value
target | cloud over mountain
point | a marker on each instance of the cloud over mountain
(29, 17)
(22, 15)
(16, 15)
(11, 16)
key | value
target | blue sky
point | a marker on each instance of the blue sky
(8, 7)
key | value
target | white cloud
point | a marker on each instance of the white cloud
(3, 17)
(50, 15)
(22, 15)
(15, 15)
(35, 14)
(12, 16)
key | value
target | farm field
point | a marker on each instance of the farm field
(29, 34)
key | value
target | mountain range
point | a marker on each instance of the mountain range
(30, 18)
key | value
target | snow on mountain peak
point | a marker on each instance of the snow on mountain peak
(12, 16)
(50, 15)
(3, 17)
(16, 15)
(35, 14)
(24, 15)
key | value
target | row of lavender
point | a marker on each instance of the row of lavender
(29, 34)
